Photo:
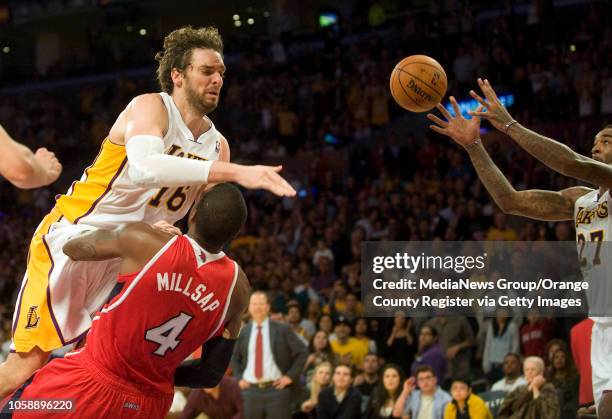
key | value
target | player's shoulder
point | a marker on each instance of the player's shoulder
(148, 101)
(223, 140)
(224, 148)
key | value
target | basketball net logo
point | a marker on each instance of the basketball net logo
(32, 318)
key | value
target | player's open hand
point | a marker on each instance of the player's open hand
(463, 131)
(494, 111)
(49, 163)
(264, 177)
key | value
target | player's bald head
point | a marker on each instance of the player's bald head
(219, 215)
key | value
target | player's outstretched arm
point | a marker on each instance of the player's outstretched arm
(536, 204)
(135, 243)
(553, 154)
(24, 169)
(217, 353)
(150, 167)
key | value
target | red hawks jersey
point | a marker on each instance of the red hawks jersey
(163, 313)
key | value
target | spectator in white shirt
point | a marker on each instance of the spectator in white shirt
(512, 374)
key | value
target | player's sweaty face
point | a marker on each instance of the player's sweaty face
(204, 79)
(602, 147)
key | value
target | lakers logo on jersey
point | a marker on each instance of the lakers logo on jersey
(32, 318)
(177, 150)
(587, 216)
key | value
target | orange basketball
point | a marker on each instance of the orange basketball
(418, 83)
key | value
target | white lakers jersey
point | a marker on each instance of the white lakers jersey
(106, 197)
(593, 229)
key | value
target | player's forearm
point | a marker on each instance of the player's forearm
(93, 245)
(208, 372)
(222, 171)
(536, 204)
(560, 157)
(162, 170)
(491, 177)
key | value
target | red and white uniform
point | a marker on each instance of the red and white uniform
(178, 301)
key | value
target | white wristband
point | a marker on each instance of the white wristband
(150, 167)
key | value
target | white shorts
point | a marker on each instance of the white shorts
(59, 296)
(601, 361)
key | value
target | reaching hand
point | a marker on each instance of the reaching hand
(49, 163)
(463, 131)
(495, 112)
(264, 177)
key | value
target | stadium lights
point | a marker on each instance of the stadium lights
(6, 49)
(236, 17)
(250, 21)
(237, 23)
(142, 31)
(266, 14)
(573, 48)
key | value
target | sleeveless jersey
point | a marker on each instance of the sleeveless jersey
(178, 301)
(593, 228)
(105, 196)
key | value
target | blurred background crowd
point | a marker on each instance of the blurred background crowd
(316, 100)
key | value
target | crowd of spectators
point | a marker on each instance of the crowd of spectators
(324, 111)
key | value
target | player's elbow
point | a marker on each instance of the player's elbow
(507, 204)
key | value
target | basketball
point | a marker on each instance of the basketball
(418, 83)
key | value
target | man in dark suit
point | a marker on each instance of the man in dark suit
(267, 361)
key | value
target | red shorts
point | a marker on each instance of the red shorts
(95, 393)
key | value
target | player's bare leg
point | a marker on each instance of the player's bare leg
(18, 367)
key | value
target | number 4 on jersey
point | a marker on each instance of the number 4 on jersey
(166, 334)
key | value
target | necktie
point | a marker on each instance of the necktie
(259, 354)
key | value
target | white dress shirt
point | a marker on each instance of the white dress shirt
(271, 371)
